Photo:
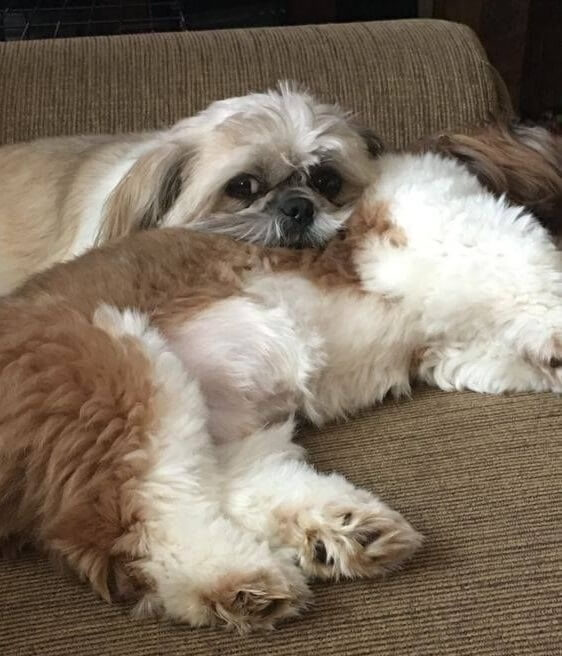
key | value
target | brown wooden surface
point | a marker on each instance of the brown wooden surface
(541, 85)
(523, 39)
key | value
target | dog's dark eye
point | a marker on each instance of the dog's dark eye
(243, 186)
(326, 181)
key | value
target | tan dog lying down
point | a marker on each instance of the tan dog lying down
(147, 389)
(277, 168)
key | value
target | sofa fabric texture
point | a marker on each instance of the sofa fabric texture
(404, 78)
(480, 476)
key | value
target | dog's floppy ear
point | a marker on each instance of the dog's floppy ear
(145, 194)
(374, 143)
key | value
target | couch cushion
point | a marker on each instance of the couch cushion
(405, 78)
(480, 476)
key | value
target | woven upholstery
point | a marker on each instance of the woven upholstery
(405, 78)
(480, 476)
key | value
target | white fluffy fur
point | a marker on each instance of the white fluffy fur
(279, 133)
(477, 287)
(191, 547)
(209, 522)
(483, 277)
(472, 295)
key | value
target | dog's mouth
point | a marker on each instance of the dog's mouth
(297, 244)
(287, 232)
(295, 237)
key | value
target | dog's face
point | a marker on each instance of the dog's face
(276, 168)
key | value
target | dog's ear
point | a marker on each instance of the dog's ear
(145, 194)
(374, 143)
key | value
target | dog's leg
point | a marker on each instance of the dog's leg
(165, 531)
(524, 355)
(332, 528)
(507, 336)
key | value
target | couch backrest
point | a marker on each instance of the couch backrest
(404, 78)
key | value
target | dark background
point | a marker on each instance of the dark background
(523, 38)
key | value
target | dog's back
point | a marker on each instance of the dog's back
(52, 193)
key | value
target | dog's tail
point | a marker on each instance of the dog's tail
(523, 162)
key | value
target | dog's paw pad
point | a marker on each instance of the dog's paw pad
(368, 541)
(257, 601)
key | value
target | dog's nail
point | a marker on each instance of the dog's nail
(320, 553)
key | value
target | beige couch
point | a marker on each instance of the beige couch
(480, 476)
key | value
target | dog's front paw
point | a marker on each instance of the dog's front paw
(256, 601)
(349, 539)
(537, 337)
(239, 599)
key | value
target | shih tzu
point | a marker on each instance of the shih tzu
(147, 388)
(277, 168)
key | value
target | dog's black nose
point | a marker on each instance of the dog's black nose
(298, 208)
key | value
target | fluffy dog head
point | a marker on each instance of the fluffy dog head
(276, 168)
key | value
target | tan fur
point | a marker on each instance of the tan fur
(77, 400)
(359, 530)
(376, 219)
(331, 267)
(72, 398)
(45, 186)
(64, 195)
(334, 266)
(161, 274)
(152, 273)
(173, 271)
(418, 356)
(525, 163)
(237, 598)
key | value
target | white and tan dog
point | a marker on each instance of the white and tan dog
(277, 168)
(147, 389)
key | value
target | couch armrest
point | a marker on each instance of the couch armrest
(404, 78)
